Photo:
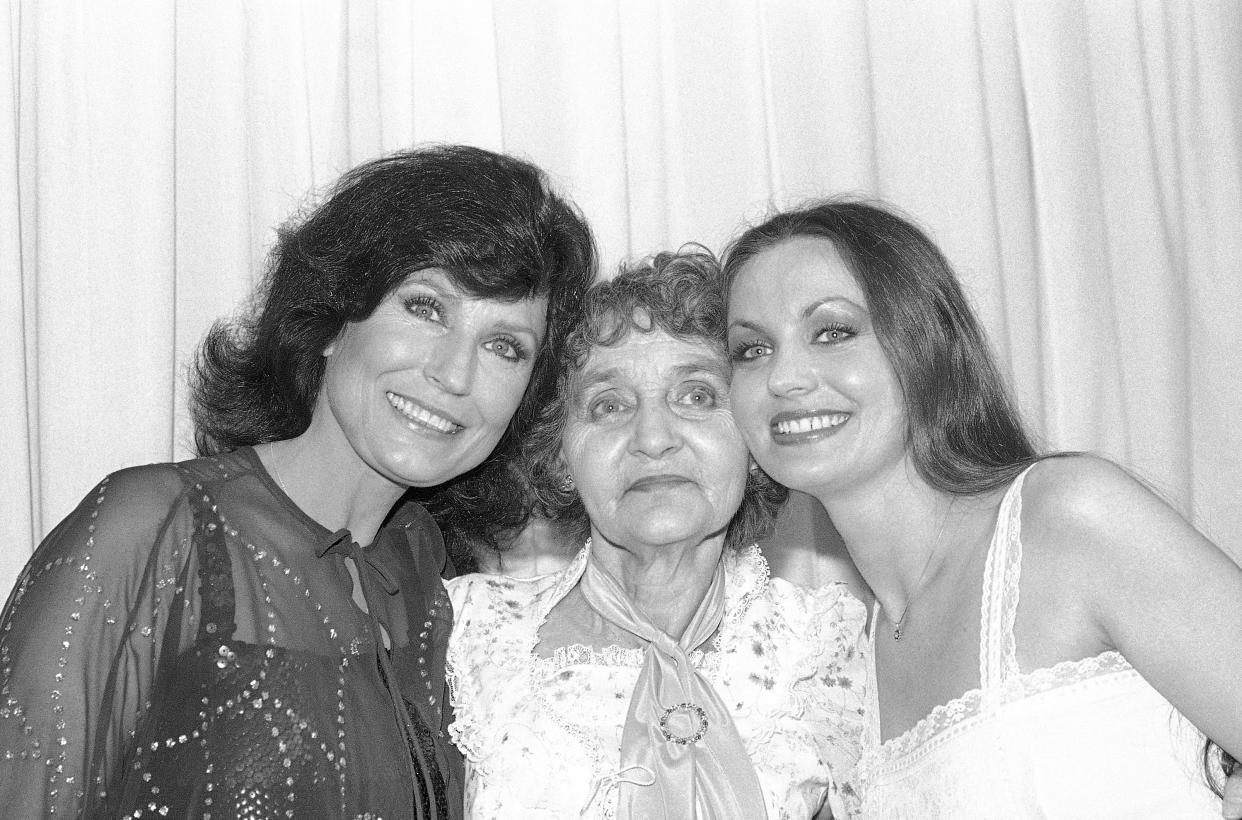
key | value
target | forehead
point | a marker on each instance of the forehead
(650, 358)
(795, 271)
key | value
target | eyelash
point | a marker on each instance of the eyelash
(739, 350)
(520, 353)
(845, 331)
(701, 390)
(595, 409)
(414, 303)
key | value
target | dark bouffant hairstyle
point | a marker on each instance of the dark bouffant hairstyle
(491, 221)
(963, 430)
(678, 293)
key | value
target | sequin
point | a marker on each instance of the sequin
(244, 648)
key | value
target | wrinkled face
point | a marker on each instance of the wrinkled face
(813, 392)
(424, 387)
(651, 441)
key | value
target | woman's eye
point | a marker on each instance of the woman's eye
(835, 333)
(507, 348)
(747, 351)
(700, 397)
(427, 308)
(605, 407)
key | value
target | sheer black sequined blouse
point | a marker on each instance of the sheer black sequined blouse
(185, 644)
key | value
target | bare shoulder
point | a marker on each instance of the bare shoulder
(1105, 536)
(1077, 503)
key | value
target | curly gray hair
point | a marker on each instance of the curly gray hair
(681, 294)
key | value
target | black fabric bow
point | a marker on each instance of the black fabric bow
(342, 543)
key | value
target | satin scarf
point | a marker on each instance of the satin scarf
(677, 728)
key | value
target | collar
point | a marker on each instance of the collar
(343, 544)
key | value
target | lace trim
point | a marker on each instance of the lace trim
(747, 560)
(747, 566)
(1011, 544)
(625, 656)
(948, 715)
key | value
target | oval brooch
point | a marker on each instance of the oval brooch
(694, 714)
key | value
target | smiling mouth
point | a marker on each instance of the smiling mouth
(421, 417)
(811, 425)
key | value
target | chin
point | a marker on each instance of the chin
(669, 535)
(421, 474)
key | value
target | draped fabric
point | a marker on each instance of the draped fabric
(677, 731)
(1080, 162)
(186, 645)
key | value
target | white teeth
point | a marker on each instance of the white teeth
(809, 423)
(421, 415)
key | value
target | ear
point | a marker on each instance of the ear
(331, 348)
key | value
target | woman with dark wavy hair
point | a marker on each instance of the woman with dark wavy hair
(862, 377)
(261, 632)
(662, 673)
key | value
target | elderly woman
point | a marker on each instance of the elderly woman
(663, 673)
(260, 633)
(1047, 629)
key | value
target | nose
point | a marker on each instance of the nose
(790, 373)
(657, 431)
(450, 364)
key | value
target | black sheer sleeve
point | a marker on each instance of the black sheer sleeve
(79, 639)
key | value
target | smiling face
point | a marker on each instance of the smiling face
(651, 442)
(423, 388)
(813, 392)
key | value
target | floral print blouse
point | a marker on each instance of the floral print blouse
(542, 736)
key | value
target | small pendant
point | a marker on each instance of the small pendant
(897, 632)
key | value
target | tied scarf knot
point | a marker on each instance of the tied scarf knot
(677, 727)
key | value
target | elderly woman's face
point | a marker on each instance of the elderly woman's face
(651, 442)
(424, 387)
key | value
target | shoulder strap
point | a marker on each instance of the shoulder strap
(1001, 574)
(871, 691)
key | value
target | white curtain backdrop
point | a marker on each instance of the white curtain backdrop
(1080, 162)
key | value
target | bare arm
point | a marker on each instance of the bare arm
(1152, 586)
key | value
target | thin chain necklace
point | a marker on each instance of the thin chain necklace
(918, 585)
(271, 458)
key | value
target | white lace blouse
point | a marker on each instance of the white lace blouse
(1085, 738)
(542, 736)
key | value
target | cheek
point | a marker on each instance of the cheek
(581, 453)
(726, 458)
(745, 393)
(343, 382)
(502, 393)
(746, 399)
(590, 457)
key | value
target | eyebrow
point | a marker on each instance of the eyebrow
(435, 278)
(808, 311)
(706, 365)
(589, 378)
(521, 329)
(442, 283)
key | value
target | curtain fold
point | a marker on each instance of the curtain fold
(1080, 163)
